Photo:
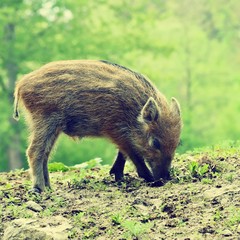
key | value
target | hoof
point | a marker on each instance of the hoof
(35, 190)
(146, 175)
(118, 175)
(147, 178)
(112, 171)
(158, 183)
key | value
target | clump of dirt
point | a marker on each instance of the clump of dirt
(201, 201)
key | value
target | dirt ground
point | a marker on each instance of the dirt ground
(202, 201)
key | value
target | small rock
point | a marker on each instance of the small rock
(34, 206)
(216, 192)
(213, 193)
(227, 233)
(55, 228)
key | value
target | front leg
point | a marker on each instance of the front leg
(118, 167)
(141, 166)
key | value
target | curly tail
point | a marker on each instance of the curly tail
(16, 115)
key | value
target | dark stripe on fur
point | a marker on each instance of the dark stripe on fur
(137, 75)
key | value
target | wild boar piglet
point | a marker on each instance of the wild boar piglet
(84, 98)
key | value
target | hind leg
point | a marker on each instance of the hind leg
(42, 140)
(50, 142)
(118, 167)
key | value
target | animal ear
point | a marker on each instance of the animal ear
(150, 111)
(175, 107)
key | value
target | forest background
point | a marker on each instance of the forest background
(190, 49)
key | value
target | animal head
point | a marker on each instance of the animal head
(160, 126)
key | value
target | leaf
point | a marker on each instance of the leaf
(57, 167)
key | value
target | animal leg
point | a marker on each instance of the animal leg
(118, 167)
(141, 166)
(42, 140)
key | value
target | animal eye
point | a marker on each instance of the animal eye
(156, 143)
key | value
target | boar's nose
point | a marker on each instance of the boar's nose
(162, 170)
(161, 173)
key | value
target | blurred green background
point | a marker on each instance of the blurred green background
(190, 49)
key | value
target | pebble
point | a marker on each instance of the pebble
(227, 233)
(34, 206)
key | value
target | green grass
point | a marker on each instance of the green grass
(135, 229)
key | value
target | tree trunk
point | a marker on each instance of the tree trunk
(13, 149)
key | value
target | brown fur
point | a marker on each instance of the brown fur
(97, 98)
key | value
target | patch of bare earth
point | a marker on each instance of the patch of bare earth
(91, 205)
